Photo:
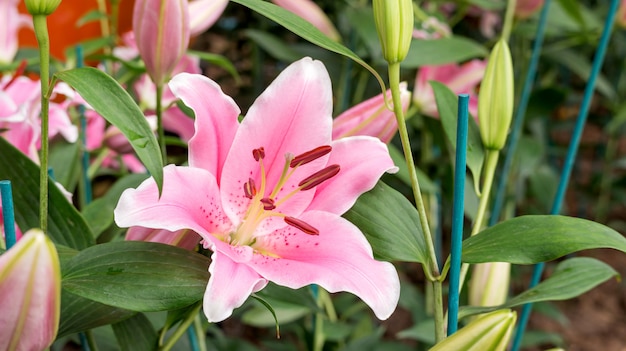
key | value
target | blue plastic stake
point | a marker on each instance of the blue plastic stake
(458, 204)
(516, 130)
(8, 212)
(571, 155)
(87, 194)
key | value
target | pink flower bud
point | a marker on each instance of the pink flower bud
(30, 293)
(162, 33)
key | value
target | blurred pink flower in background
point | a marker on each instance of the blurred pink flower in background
(203, 14)
(310, 11)
(620, 17)
(371, 117)
(11, 22)
(461, 79)
(527, 8)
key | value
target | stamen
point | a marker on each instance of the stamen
(18, 72)
(249, 189)
(319, 177)
(258, 154)
(268, 204)
(310, 156)
(302, 225)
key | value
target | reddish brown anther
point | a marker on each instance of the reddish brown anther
(249, 189)
(319, 177)
(310, 155)
(268, 204)
(302, 225)
(258, 154)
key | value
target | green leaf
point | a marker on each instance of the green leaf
(390, 224)
(426, 184)
(64, 161)
(442, 51)
(305, 30)
(268, 307)
(138, 276)
(91, 16)
(581, 66)
(99, 213)
(572, 8)
(447, 105)
(534, 239)
(79, 314)
(571, 278)
(65, 225)
(111, 101)
(273, 45)
(136, 333)
(219, 61)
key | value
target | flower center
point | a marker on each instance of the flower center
(262, 207)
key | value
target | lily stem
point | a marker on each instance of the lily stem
(182, 328)
(432, 269)
(40, 25)
(159, 113)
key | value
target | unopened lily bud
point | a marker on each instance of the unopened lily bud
(490, 331)
(490, 284)
(30, 293)
(41, 7)
(495, 99)
(394, 23)
(161, 30)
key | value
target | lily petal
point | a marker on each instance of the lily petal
(321, 259)
(229, 287)
(293, 115)
(216, 120)
(184, 238)
(363, 161)
(190, 200)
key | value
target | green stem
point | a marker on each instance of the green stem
(159, 113)
(318, 328)
(490, 169)
(182, 328)
(604, 198)
(91, 341)
(508, 19)
(200, 333)
(40, 25)
(432, 271)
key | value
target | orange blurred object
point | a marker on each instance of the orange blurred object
(63, 29)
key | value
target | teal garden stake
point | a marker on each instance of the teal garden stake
(457, 212)
(8, 215)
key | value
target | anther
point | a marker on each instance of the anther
(319, 177)
(249, 189)
(258, 154)
(302, 225)
(268, 204)
(310, 156)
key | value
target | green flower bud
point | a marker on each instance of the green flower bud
(490, 331)
(41, 7)
(495, 99)
(394, 23)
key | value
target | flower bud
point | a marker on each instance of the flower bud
(41, 7)
(490, 284)
(490, 331)
(30, 293)
(495, 99)
(162, 33)
(394, 23)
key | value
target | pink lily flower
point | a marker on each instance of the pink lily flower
(30, 293)
(162, 33)
(18, 232)
(11, 21)
(203, 14)
(266, 195)
(371, 117)
(461, 79)
(310, 11)
(526, 8)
